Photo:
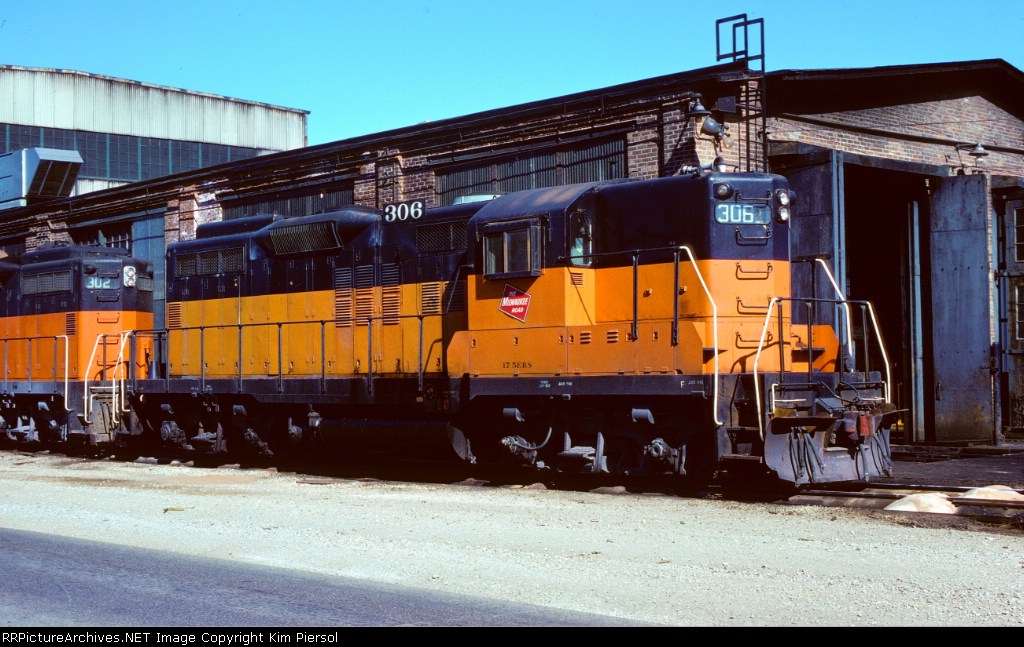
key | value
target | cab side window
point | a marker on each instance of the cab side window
(580, 239)
(512, 249)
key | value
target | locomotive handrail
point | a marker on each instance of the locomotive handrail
(28, 367)
(121, 392)
(454, 281)
(281, 326)
(849, 328)
(846, 306)
(118, 395)
(741, 239)
(67, 388)
(85, 374)
(757, 356)
(714, 324)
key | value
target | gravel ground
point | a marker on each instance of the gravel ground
(649, 558)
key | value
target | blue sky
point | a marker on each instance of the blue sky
(363, 66)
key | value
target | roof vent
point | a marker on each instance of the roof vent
(32, 175)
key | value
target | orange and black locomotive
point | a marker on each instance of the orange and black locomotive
(65, 315)
(631, 327)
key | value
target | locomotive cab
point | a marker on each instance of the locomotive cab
(629, 322)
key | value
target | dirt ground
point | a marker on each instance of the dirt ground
(650, 558)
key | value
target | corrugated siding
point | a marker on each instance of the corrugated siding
(78, 101)
(87, 185)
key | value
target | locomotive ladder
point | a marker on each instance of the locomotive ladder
(112, 397)
(739, 38)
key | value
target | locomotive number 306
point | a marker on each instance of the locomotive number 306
(403, 211)
(743, 213)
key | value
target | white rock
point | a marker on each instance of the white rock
(997, 492)
(927, 502)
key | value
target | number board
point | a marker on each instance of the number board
(740, 213)
(403, 211)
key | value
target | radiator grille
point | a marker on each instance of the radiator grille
(343, 297)
(441, 237)
(454, 299)
(430, 298)
(46, 282)
(174, 315)
(212, 261)
(391, 293)
(306, 237)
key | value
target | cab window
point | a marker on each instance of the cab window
(580, 239)
(512, 249)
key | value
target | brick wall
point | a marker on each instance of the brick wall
(926, 133)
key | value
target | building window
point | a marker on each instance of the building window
(1018, 235)
(93, 149)
(115, 235)
(125, 158)
(122, 158)
(298, 203)
(588, 162)
(1018, 312)
(21, 137)
(154, 158)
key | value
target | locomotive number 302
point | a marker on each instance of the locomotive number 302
(97, 283)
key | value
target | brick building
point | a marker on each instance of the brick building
(909, 180)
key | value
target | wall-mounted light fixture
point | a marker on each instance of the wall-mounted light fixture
(696, 108)
(709, 127)
(977, 151)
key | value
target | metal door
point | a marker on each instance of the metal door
(960, 272)
(817, 229)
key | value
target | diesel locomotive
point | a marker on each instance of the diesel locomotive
(621, 326)
(64, 313)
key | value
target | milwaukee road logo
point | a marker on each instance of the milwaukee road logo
(514, 302)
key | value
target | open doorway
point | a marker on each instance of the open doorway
(884, 221)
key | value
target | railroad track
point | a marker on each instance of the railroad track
(954, 500)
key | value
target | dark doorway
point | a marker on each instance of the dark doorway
(884, 212)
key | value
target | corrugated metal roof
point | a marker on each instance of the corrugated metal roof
(81, 101)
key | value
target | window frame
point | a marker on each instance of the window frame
(508, 234)
(580, 221)
(1018, 234)
(1018, 313)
